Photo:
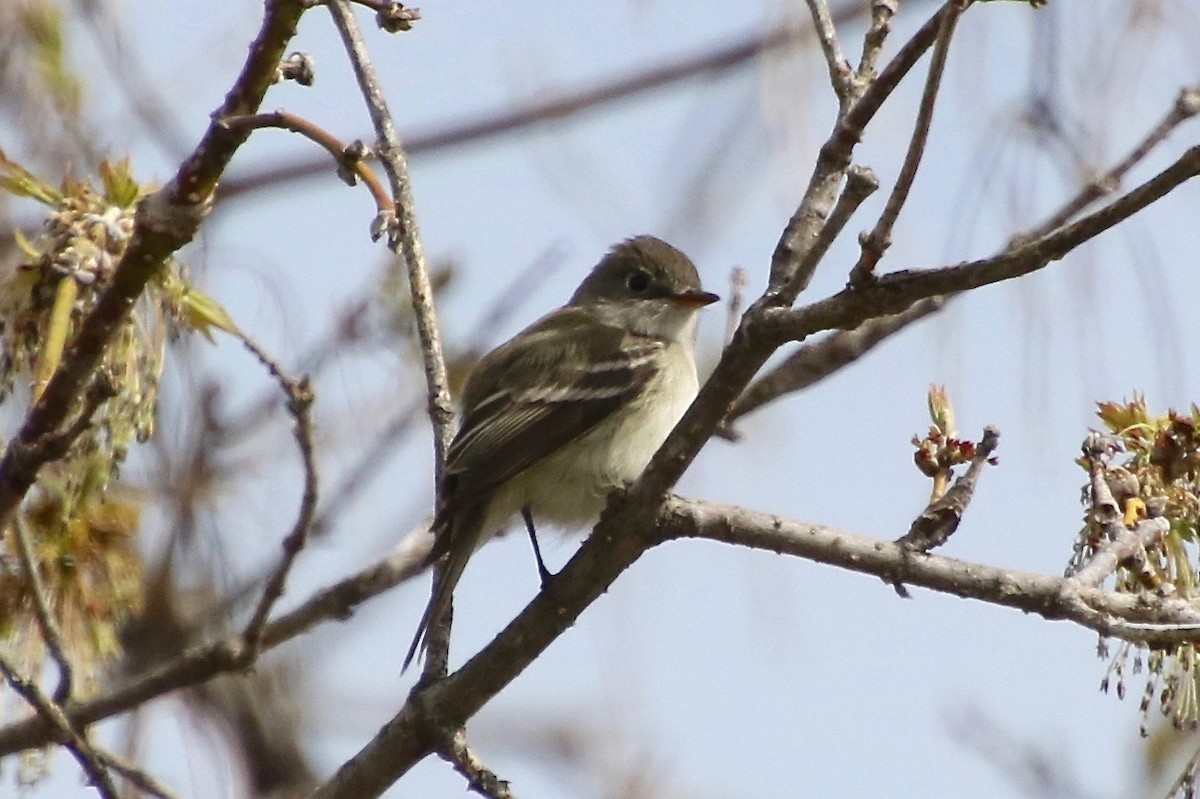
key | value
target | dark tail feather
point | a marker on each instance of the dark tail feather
(443, 590)
(457, 540)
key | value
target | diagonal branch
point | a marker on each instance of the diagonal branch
(73, 740)
(787, 278)
(815, 361)
(566, 105)
(897, 291)
(1186, 106)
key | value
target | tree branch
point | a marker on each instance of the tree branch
(299, 404)
(813, 362)
(1186, 106)
(404, 235)
(480, 778)
(896, 291)
(564, 106)
(202, 663)
(72, 739)
(413, 732)
(165, 221)
(787, 279)
(839, 68)
(875, 243)
(349, 158)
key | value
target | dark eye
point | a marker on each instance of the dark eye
(638, 281)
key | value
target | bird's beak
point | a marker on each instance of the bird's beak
(694, 298)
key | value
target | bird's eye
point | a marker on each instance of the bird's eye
(638, 281)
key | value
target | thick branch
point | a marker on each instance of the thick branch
(414, 732)
(1127, 616)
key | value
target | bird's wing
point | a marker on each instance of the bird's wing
(556, 381)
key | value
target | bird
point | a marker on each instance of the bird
(572, 407)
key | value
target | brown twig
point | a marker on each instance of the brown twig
(299, 404)
(71, 738)
(1186, 106)
(861, 183)
(882, 12)
(349, 158)
(202, 663)
(894, 292)
(815, 361)
(53, 446)
(875, 243)
(786, 278)
(404, 237)
(556, 109)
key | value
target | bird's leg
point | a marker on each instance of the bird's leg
(543, 572)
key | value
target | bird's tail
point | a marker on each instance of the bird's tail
(456, 540)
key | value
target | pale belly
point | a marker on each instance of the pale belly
(569, 488)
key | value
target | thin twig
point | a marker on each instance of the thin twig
(138, 776)
(786, 279)
(895, 292)
(861, 183)
(839, 69)
(938, 522)
(53, 446)
(879, 239)
(814, 362)
(349, 158)
(882, 12)
(41, 608)
(480, 778)
(1186, 106)
(202, 663)
(300, 398)
(481, 128)
(49, 710)
(403, 234)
